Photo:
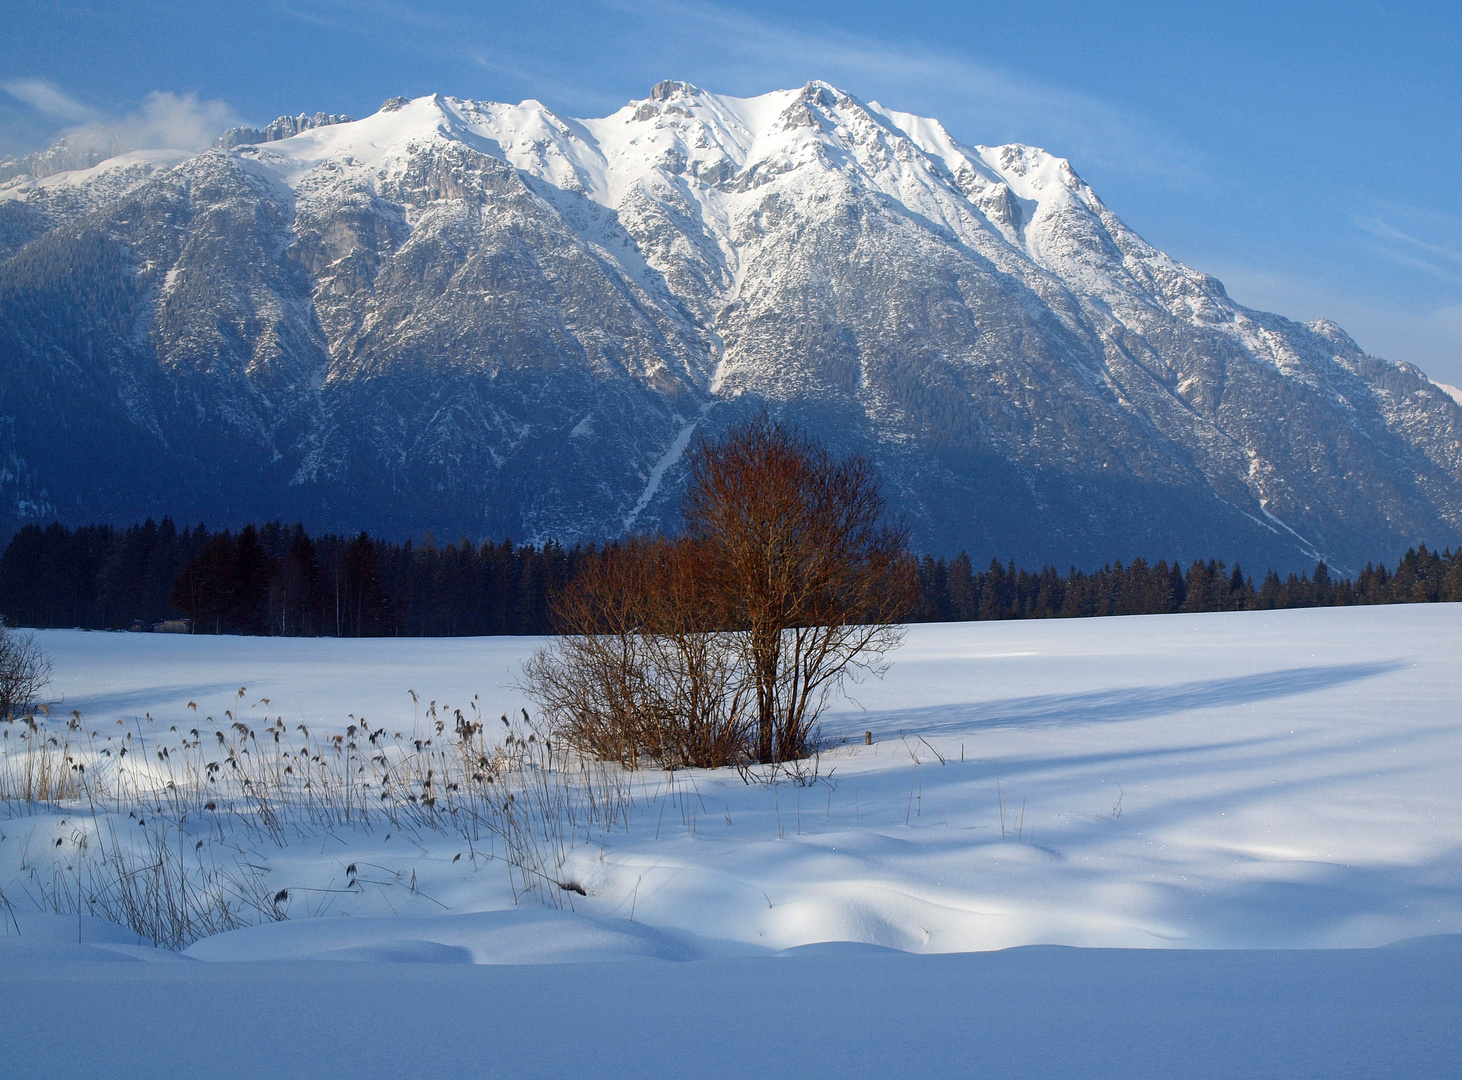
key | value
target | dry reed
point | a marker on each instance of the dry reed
(171, 818)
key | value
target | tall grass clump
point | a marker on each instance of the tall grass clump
(172, 826)
(152, 875)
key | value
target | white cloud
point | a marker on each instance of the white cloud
(163, 120)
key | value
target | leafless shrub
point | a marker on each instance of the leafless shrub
(24, 671)
(641, 671)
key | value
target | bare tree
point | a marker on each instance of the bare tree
(726, 644)
(24, 671)
(797, 560)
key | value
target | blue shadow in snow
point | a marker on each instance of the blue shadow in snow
(146, 698)
(1125, 703)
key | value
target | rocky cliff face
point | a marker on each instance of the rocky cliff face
(489, 319)
(282, 128)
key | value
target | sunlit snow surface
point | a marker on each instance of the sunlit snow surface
(1284, 781)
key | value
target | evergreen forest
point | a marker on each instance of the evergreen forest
(275, 579)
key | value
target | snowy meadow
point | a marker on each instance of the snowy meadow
(1234, 816)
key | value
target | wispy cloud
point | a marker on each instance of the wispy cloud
(179, 121)
(978, 100)
(50, 101)
(162, 120)
(590, 63)
(1437, 256)
(358, 15)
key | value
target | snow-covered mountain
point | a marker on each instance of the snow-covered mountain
(483, 318)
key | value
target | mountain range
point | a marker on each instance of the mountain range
(470, 318)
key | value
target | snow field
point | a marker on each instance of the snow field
(1175, 792)
(1248, 780)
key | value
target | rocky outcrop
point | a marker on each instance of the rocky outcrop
(282, 128)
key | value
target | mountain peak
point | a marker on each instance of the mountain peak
(671, 88)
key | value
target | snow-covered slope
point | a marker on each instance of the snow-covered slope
(824, 1013)
(469, 315)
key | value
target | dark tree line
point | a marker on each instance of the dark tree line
(276, 579)
(955, 591)
(94, 576)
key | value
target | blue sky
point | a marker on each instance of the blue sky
(1306, 154)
